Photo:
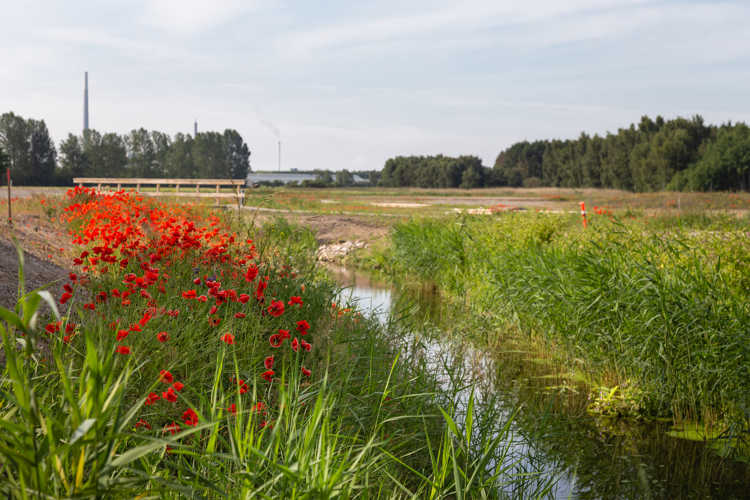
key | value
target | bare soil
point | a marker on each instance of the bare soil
(333, 228)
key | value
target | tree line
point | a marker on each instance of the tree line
(34, 160)
(680, 154)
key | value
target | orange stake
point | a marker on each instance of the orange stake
(583, 214)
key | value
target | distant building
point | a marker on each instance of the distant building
(285, 177)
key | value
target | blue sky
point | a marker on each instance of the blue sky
(351, 84)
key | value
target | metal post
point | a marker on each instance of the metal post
(10, 219)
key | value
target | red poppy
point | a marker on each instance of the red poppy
(190, 417)
(243, 386)
(126, 302)
(214, 321)
(295, 300)
(295, 345)
(202, 298)
(232, 409)
(145, 294)
(70, 328)
(228, 338)
(252, 272)
(276, 308)
(172, 428)
(268, 363)
(121, 334)
(305, 345)
(122, 349)
(151, 399)
(178, 386)
(173, 313)
(239, 315)
(257, 408)
(66, 339)
(72, 276)
(303, 327)
(53, 327)
(135, 328)
(166, 377)
(276, 340)
(213, 310)
(306, 372)
(68, 288)
(130, 277)
(142, 423)
(162, 337)
(169, 395)
(244, 298)
(267, 375)
(190, 294)
(263, 424)
(197, 281)
(89, 306)
(115, 292)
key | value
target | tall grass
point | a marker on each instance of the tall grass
(661, 312)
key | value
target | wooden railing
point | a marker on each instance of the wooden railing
(236, 185)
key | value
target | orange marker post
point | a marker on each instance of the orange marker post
(583, 214)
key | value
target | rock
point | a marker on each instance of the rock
(329, 253)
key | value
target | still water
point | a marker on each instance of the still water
(591, 458)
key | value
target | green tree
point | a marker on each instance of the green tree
(15, 140)
(179, 159)
(141, 154)
(237, 154)
(73, 161)
(209, 156)
(42, 155)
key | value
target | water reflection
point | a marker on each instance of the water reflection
(597, 459)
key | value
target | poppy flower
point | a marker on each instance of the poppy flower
(228, 338)
(173, 313)
(145, 294)
(239, 315)
(126, 302)
(178, 386)
(268, 363)
(276, 340)
(295, 300)
(202, 298)
(305, 345)
(68, 288)
(213, 310)
(172, 428)
(244, 298)
(267, 375)
(142, 423)
(130, 277)
(165, 376)
(90, 306)
(70, 328)
(162, 337)
(190, 417)
(214, 321)
(169, 395)
(306, 372)
(190, 294)
(232, 409)
(263, 424)
(66, 339)
(303, 327)
(121, 334)
(151, 399)
(135, 328)
(197, 281)
(276, 308)
(295, 345)
(243, 386)
(257, 408)
(122, 349)
(101, 297)
(252, 273)
(115, 292)
(72, 277)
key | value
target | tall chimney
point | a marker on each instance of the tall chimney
(195, 129)
(86, 101)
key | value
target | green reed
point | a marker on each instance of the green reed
(663, 311)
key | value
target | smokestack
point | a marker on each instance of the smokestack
(195, 129)
(86, 101)
(279, 156)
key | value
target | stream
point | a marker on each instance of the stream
(591, 458)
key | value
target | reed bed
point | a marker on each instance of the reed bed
(657, 306)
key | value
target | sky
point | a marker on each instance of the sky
(351, 84)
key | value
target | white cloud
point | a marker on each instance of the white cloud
(192, 17)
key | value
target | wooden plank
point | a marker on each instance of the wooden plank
(189, 195)
(153, 182)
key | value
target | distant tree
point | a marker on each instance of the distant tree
(162, 144)
(42, 155)
(210, 156)
(73, 161)
(4, 163)
(237, 154)
(141, 154)
(725, 164)
(179, 159)
(325, 176)
(344, 178)
(15, 140)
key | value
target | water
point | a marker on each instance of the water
(593, 458)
